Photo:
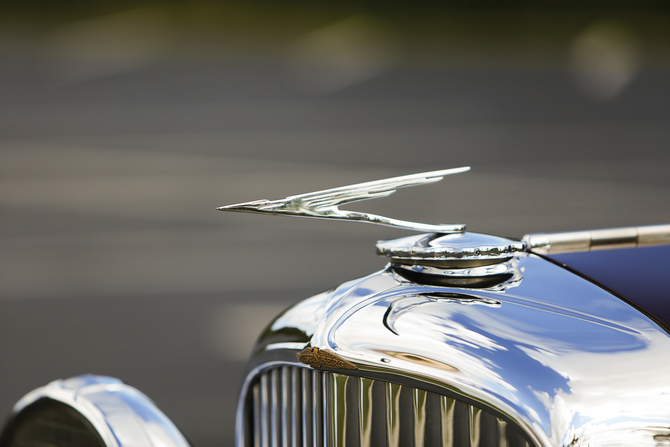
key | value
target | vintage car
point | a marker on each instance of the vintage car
(462, 340)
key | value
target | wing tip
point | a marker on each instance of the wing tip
(243, 206)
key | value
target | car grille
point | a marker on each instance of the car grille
(295, 406)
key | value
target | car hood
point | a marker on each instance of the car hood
(639, 276)
(560, 355)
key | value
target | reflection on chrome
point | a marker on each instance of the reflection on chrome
(331, 409)
(564, 359)
(495, 277)
(325, 204)
(120, 414)
(410, 303)
(450, 247)
(576, 241)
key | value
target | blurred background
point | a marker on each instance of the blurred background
(124, 124)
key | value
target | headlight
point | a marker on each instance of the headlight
(89, 411)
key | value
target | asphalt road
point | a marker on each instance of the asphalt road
(113, 260)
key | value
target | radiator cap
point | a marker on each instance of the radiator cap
(458, 247)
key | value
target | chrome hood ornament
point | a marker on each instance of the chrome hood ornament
(325, 204)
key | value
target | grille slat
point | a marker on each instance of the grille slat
(365, 411)
(475, 427)
(265, 410)
(285, 415)
(294, 406)
(317, 409)
(393, 414)
(256, 396)
(447, 409)
(327, 406)
(295, 402)
(275, 407)
(306, 377)
(338, 420)
(419, 417)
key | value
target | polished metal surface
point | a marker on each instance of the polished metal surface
(452, 247)
(459, 260)
(122, 416)
(497, 276)
(392, 414)
(365, 412)
(575, 241)
(419, 407)
(567, 361)
(338, 409)
(325, 204)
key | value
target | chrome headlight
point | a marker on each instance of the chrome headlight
(89, 411)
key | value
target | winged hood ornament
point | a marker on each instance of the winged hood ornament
(325, 204)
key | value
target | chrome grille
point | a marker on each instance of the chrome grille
(291, 406)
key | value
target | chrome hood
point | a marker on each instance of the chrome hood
(565, 359)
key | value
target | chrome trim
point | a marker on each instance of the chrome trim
(325, 204)
(450, 247)
(120, 414)
(486, 270)
(564, 359)
(499, 276)
(284, 345)
(576, 241)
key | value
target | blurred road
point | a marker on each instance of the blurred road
(113, 260)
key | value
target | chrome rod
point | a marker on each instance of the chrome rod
(576, 241)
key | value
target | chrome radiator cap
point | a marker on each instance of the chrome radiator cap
(469, 260)
(450, 247)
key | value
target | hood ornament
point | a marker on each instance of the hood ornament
(325, 204)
